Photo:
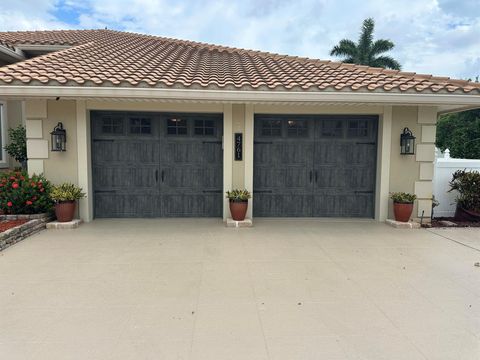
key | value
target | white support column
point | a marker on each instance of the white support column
(248, 146)
(227, 155)
(383, 164)
(84, 161)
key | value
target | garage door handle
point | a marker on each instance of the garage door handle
(156, 176)
(163, 176)
(311, 176)
(316, 175)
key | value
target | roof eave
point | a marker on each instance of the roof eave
(77, 92)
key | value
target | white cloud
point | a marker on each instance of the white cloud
(431, 36)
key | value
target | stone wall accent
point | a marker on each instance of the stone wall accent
(36, 223)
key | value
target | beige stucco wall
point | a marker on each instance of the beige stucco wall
(238, 167)
(396, 172)
(405, 175)
(61, 166)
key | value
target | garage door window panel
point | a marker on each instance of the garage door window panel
(297, 128)
(140, 126)
(357, 128)
(177, 126)
(272, 128)
(331, 128)
(204, 127)
(112, 125)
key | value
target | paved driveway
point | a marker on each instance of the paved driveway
(172, 289)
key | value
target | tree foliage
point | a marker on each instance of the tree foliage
(460, 133)
(366, 51)
(17, 148)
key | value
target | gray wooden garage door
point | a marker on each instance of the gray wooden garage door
(320, 166)
(157, 165)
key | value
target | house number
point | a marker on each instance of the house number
(238, 146)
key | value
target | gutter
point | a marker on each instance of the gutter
(78, 92)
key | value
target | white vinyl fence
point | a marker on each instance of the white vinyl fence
(445, 166)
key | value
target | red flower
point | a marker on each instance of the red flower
(12, 178)
(28, 202)
(1, 185)
(33, 184)
(34, 198)
(42, 190)
(14, 185)
(9, 204)
(22, 178)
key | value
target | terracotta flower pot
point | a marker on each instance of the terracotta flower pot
(65, 211)
(402, 211)
(238, 209)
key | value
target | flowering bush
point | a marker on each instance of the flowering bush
(21, 194)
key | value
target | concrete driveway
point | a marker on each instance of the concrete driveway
(285, 289)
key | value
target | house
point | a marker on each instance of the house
(157, 127)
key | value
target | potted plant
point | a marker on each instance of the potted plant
(402, 205)
(467, 183)
(238, 203)
(65, 196)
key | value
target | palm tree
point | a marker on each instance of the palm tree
(366, 52)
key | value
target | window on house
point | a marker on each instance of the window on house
(112, 125)
(204, 127)
(140, 125)
(271, 128)
(176, 126)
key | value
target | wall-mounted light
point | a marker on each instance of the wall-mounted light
(59, 138)
(407, 142)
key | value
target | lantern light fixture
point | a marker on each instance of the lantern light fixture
(59, 138)
(407, 142)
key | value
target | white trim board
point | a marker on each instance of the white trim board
(258, 96)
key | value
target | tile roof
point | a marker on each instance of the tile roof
(114, 58)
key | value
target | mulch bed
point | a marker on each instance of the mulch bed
(444, 222)
(8, 224)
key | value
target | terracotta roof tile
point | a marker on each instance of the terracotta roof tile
(113, 58)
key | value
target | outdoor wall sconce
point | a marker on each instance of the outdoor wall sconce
(407, 142)
(59, 138)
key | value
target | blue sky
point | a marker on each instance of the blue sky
(431, 36)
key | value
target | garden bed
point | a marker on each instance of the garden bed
(18, 227)
(451, 222)
(8, 224)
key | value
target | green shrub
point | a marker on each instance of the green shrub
(17, 148)
(467, 183)
(238, 195)
(21, 194)
(403, 198)
(66, 192)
